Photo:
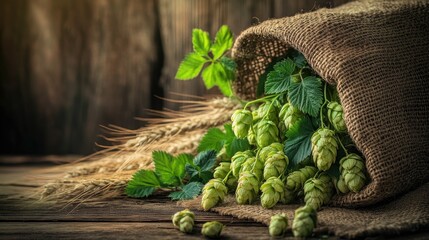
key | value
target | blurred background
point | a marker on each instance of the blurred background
(69, 66)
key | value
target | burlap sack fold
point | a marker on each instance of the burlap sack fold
(377, 54)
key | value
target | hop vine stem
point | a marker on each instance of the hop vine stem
(226, 177)
(342, 146)
(321, 107)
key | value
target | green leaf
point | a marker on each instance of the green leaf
(205, 160)
(190, 67)
(237, 145)
(298, 143)
(278, 80)
(201, 42)
(223, 42)
(168, 170)
(185, 157)
(228, 63)
(225, 88)
(298, 58)
(213, 74)
(142, 184)
(307, 95)
(189, 191)
(212, 140)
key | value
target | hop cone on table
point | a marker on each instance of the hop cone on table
(336, 116)
(324, 148)
(352, 170)
(295, 180)
(304, 222)
(212, 229)
(222, 170)
(213, 193)
(268, 111)
(238, 159)
(254, 166)
(318, 191)
(184, 220)
(278, 225)
(247, 188)
(266, 133)
(241, 122)
(289, 115)
(275, 165)
(272, 192)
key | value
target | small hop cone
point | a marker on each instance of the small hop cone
(241, 122)
(289, 115)
(324, 148)
(213, 193)
(336, 116)
(212, 229)
(278, 225)
(272, 192)
(269, 150)
(265, 112)
(184, 220)
(237, 160)
(254, 166)
(295, 180)
(275, 165)
(222, 170)
(304, 222)
(222, 156)
(341, 185)
(318, 191)
(247, 189)
(251, 137)
(266, 133)
(352, 170)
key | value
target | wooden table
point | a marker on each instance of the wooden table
(120, 218)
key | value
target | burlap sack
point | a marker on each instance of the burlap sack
(377, 54)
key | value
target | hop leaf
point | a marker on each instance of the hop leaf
(278, 80)
(190, 67)
(201, 41)
(189, 191)
(307, 95)
(223, 42)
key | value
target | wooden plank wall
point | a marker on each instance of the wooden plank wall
(68, 66)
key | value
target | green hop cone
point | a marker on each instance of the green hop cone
(318, 191)
(296, 179)
(231, 183)
(341, 185)
(278, 225)
(289, 115)
(247, 188)
(241, 122)
(251, 137)
(266, 133)
(213, 193)
(222, 170)
(272, 192)
(324, 148)
(222, 156)
(336, 116)
(269, 150)
(352, 170)
(275, 165)
(304, 222)
(254, 166)
(238, 159)
(212, 229)
(268, 111)
(184, 220)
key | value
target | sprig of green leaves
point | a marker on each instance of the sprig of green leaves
(216, 139)
(219, 70)
(172, 172)
(303, 88)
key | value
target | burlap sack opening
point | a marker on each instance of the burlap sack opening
(377, 54)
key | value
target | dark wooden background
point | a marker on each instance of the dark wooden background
(69, 66)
